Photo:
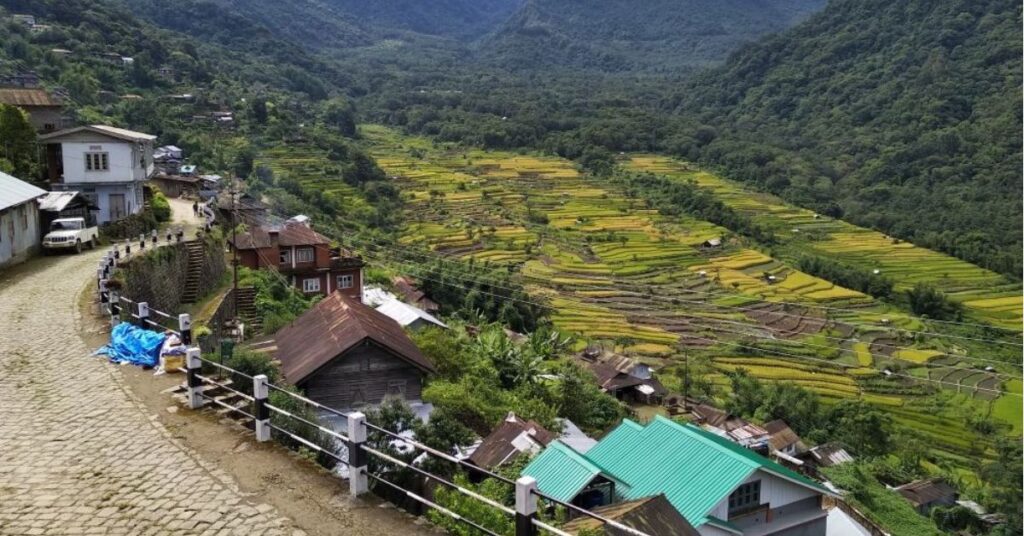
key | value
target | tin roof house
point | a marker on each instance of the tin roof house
(719, 487)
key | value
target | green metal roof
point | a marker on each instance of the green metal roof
(695, 469)
(561, 472)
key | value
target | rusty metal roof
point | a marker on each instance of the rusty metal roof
(16, 96)
(334, 326)
(651, 515)
(498, 447)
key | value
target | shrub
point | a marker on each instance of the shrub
(161, 208)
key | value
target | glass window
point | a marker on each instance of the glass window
(304, 255)
(746, 497)
(96, 162)
(345, 281)
(286, 256)
(311, 285)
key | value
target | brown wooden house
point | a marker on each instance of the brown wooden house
(45, 110)
(651, 515)
(345, 354)
(304, 256)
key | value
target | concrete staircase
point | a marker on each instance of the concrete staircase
(190, 293)
(247, 310)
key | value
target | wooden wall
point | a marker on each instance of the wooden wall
(363, 375)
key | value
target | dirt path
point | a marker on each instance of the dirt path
(89, 447)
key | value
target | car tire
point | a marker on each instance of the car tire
(91, 244)
(78, 246)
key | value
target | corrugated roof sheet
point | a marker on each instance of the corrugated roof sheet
(27, 97)
(406, 314)
(695, 469)
(650, 515)
(113, 132)
(14, 191)
(498, 447)
(561, 472)
(334, 325)
(56, 201)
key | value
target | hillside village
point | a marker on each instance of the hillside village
(376, 304)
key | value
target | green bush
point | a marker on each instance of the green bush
(161, 208)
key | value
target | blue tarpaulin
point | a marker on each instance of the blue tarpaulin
(132, 344)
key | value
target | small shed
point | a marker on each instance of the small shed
(926, 494)
(345, 354)
(712, 243)
(19, 219)
(409, 316)
(514, 436)
(68, 204)
(783, 439)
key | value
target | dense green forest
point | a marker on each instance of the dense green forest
(902, 116)
(655, 35)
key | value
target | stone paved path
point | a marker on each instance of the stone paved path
(78, 455)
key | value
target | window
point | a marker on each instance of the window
(286, 256)
(345, 281)
(746, 497)
(304, 255)
(96, 162)
(311, 284)
(396, 388)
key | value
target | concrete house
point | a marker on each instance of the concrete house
(344, 354)
(45, 110)
(19, 219)
(719, 487)
(303, 255)
(108, 166)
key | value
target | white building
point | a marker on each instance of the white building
(107, 165)
(408, 316)
(19, 219)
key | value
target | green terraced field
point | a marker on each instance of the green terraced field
(986, 295)
(616, 272)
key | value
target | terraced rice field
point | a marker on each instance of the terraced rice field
(986, 295)
(310, 166)
(616, 272)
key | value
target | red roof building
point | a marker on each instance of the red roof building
(304, 256)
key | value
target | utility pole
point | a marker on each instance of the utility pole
(686, 381)
(234, 247)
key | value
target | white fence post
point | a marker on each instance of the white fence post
(526, 506)
(143, 314)
(357, 458)
(260, 392)
(185, 328)
(192, 366)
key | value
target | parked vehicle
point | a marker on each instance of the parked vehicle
(66, 233)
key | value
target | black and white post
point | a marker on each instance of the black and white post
(357, 457)
(192, 366)
(185, 328)
(115, 308)
(260, 393)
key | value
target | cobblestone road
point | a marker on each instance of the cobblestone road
(78, 454)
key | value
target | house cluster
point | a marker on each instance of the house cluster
(177, 178)
(700, 482)
(775, 439)
(95, 172)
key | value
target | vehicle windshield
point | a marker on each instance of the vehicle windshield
(66, 225)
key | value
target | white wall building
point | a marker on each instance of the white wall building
(107, 165)
(19, 219)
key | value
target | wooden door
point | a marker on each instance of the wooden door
(118, 208)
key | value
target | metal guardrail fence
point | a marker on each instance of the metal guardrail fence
(527, 495)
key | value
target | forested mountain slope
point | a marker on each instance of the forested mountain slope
(904, 116)
(463, 19)
(618, 35)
